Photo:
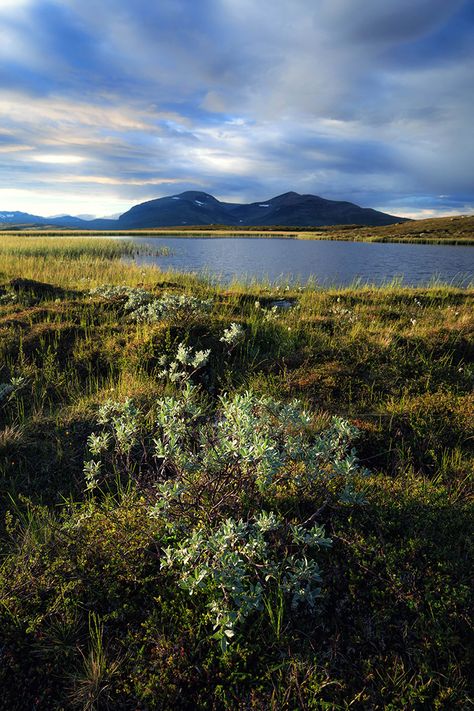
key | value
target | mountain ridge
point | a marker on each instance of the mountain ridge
(198, 208)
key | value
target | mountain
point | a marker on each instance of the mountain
(198, 208)
(188, 208)
(289, 209)
(21, 218)
(309, 211)
(25, 219)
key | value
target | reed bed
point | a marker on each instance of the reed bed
(74, 261)
(444, 230)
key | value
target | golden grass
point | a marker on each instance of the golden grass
(457, 229)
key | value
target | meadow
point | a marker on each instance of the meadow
(230, 497)
(438, 230)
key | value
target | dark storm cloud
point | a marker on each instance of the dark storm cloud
(364, 100)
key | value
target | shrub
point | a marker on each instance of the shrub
(214, 478)
(141, 306)
(171, 307)
(237, 563)
(250, 446)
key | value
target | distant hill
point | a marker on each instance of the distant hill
(198, 208)
(25, 219)
(290, 209)
(189, 208)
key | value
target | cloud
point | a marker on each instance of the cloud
(365, 101)
(375, 23)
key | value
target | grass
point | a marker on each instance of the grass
(89, 619)
(84, 262)
(441, 230)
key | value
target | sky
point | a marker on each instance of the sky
(108, 103)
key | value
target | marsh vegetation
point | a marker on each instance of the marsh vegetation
(437, 230)
(236, 497)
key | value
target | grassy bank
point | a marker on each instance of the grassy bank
(209, 543)
(441, 230)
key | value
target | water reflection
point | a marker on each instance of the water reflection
(327, 262)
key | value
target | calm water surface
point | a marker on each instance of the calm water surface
(325, 261)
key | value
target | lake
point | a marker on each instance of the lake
(325, 261)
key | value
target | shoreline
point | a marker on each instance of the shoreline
(204, 234)
(457, 230)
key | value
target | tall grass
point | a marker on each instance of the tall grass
(65, 247)
(446, 230)
(74, 262)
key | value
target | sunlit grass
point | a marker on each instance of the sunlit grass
(64, 247)
(75, 262)
(444, 230)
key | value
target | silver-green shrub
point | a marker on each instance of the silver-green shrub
(238, 563)
(251, 443)
(122, 431)
(141, 306)
(172, 307)
(185, 363)
(131, 298)
(217, 476)
(255, 443)
(233, 335)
